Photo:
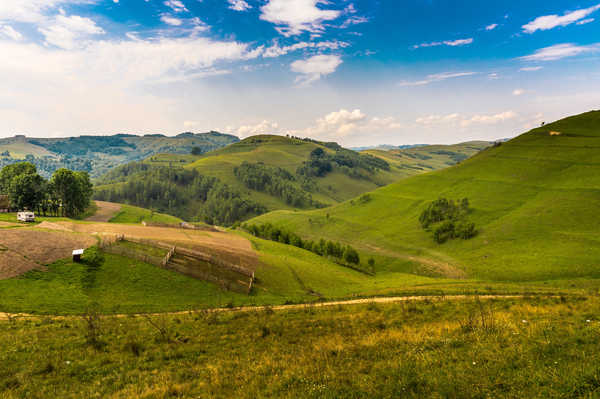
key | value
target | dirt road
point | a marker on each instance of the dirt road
(105, 212)
(397, 299)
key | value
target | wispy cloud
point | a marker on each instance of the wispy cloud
(451, 43)
(176, 5)
(530, 69)
(438, 77)
(10, 32)
(560, 51)
(491, 27)
(459, 120)
(548, 22)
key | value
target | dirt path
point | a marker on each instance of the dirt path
(396, 299)
(105, 212)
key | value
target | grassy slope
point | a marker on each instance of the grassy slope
(532, 348)
(134, 214)
(536, 201)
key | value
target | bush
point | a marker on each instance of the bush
(448, 218)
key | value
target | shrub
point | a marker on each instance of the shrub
(448, 220)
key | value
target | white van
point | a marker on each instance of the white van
(26, 217)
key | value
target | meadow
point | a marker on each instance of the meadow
(534, 347)
(534, 199)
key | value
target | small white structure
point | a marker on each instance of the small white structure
(77, 255)
(26, 217)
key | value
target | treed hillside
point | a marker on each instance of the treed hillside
(260, 173)
(98, 154)
(534, 202)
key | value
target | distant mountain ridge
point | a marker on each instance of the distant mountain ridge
(98, 154)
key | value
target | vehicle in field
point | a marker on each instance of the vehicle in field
(26, 217)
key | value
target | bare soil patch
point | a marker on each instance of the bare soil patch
(105, 212)
(26, 249)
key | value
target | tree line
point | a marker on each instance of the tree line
(177, 191)
(67, 193)
(358, 166)
(341, 252)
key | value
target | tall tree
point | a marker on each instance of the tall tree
(11, 171)
(26, 191)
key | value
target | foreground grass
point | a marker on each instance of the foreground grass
(532, 347)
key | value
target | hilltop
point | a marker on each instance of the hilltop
(534, 200)
(97, 154)
(270, 172)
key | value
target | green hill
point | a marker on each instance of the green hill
(98, 154)
(269, 173)
(535, 203)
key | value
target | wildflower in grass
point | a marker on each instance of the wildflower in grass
(588, 321)
(524, 321)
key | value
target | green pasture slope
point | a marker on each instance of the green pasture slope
(134, 214)
(536, 203)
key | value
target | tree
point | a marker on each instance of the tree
(26, 191)
(11, 171)
(73, 189)
(196, 151)
(351, 256)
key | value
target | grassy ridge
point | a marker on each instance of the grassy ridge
(535, 199)
(502, 348)
(134, 214)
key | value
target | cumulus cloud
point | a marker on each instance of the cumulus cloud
(344, 123)
(169, 20)
(296, 16)
(451, 43)
(315, 67)
(67, 32)
(239, 5)
(438, 77)
(264, 127)
(518, 92)
(560, 51)
(459, 120)
(548, 22)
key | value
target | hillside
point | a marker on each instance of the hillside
(276, 172)
(98, 154)
(535, 203)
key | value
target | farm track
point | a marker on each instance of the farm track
(350, 302)
(105, 212)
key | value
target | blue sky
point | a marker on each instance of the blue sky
(354, 71)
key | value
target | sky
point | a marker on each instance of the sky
(359, 72)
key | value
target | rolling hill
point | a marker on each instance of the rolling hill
(279, 172)
(98, 154)
(535, 203)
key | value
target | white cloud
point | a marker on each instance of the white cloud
(491, 27)
(296, 16)
(560, 51)
(451, 43)
(239, 5)
(530, 69)
(354, 20)
(175, 5)
(9, 32)
(343, 123)
(264, 127)
(518, 92)
(548, 22)
(68, 32)
(169, 20)
(463, 121)
(438, 77)
(276, 51)
(313, 68)
(32, 10)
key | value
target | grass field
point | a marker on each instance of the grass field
(532, 347)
